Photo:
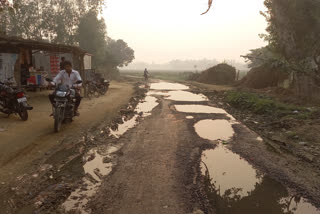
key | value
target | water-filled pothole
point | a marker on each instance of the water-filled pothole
(214, 130)
(143, 108)
(233, 186)
(124, 127)
(98, 164)
(204, 109)
(168, 86)
(229, 171)
(185, 96)
(147, 105)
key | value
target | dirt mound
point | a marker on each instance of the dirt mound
(222, 74)
(263, 77)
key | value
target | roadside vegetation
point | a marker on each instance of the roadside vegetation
(261, 104)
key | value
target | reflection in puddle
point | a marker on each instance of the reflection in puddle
(186, 96)
(214, 129)
(199, 109)
(233, 186)
(95, 168)
(147, 105)
(229, 171)
(124, 127)
(168, 86)
(159, 93)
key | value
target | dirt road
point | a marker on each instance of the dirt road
(24, 142)
(169, 152)
(151, 175)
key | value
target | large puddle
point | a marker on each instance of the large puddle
(214, 130)
(124, 127)
(229, 171)
(185, 96)
(175, 92)
(168, 86)
(146, 106)
(143, 109)
(202, 109)
(233, 186)
(180, 96)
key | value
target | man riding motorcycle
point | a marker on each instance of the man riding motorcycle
(68, 77)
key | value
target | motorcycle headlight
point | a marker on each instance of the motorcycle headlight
(61, 93)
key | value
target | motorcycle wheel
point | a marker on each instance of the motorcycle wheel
(23, 113)
(96, 93)
(91, 92)
(57, 120)
(103, 90)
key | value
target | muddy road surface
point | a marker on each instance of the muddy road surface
(169, 150)
(25, 145)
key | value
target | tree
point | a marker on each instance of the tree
(119, 53)
(91, 35)
(56, 20)
(293, 29)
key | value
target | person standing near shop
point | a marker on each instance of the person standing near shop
(62, 63)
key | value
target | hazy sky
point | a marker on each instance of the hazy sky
(163, 30)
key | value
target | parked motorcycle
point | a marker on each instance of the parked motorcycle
(103, 87)
(64, 104)
(92, 89)
(13, 101)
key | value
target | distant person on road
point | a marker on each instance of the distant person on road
(146, 74)
(69, 77)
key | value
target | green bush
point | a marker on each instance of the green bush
(259, 104)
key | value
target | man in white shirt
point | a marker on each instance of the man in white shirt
(69, 77)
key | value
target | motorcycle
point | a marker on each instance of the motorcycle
(64, 104)
(92, 89)
(97, 88)
(103, 87)
(13, 101)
